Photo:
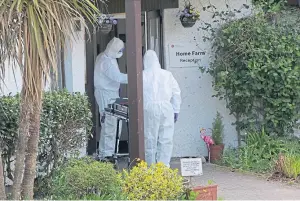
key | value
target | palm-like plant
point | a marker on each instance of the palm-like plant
(30, 31)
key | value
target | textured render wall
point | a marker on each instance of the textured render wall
(12, 82)
(198, 107)
(75, 63)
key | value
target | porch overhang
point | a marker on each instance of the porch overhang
(118, 6)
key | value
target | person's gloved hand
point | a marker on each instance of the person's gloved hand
(175, 117)
(103, 119)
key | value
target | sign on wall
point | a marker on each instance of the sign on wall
(185, 55)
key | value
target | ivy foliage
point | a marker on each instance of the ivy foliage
(269, 6)
(256, 69)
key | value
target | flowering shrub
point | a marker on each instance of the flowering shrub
(208, 141)
(157, 182)
(206, 138)
(107, 19)
(189, 13)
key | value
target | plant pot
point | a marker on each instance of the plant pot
(206, 192)
(216, 152)
(106, 28)
(187, 22)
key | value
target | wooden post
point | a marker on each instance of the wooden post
(135, 79)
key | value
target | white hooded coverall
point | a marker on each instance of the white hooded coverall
(107, 80)
(161, 100)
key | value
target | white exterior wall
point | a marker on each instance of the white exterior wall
(198, 106)
(12, 81)
(75, 65)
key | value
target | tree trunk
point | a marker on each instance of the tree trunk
(25, 110)
(32, 151)
(2, 184)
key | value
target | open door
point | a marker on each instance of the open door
(152, 39)
(154, 30)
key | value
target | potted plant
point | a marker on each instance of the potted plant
(216, 149)
(209, 192)
(189, 15)
(189, 194)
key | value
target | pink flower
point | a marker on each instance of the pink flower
(206, 138)
(208, 141)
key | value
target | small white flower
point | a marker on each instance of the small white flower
(103, 16)
(100, 21)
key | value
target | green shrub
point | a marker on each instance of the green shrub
(9, 115)
(102, 197)
(65, 123)
(85, 178)
(246, 158)
(189, 194)
(269, 5)
(156, 182)
(260, 152)
(218, 129)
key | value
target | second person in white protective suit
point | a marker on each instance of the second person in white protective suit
(107, 80)
(162, 100)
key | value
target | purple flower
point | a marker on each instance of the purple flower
(187, 15)
(185, 10)
(115, 22)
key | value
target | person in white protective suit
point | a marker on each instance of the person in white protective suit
(107, 80)
(162, 100)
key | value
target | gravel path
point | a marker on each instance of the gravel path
(241, 186)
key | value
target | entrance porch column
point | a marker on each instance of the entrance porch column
(135, 79)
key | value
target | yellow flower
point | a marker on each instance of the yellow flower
(154, 182)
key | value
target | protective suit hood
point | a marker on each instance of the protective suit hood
(113, 48)
(151, 60)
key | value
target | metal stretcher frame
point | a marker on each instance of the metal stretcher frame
(115, 109)
(118, 155)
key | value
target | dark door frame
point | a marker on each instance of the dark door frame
(102, 41)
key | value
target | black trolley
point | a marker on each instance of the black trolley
(120, 110)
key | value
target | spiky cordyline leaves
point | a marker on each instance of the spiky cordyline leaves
(30, 31)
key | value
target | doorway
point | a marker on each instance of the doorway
(151, 39)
